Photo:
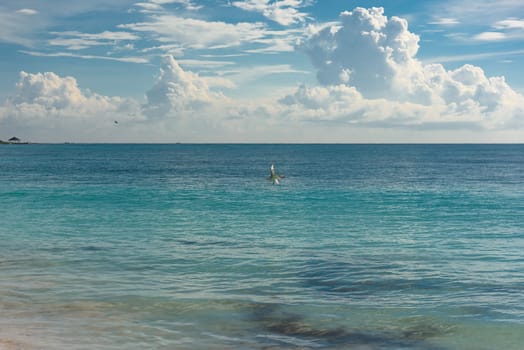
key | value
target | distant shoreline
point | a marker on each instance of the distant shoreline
(13, 143)
(267, 143)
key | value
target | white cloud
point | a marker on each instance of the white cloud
(74, 44)
(474, 57)
(325, 102)
(490, 36)
(78, 41)
(204, 63)
(29, 12)
(209, 66)
(275, 45)
(28, 25)
(283, 12)
(178, 33)
(158, 6)
(477, 11)
(250, 76)
(87, 57)
(148, 7)
(47, 104)
(492, 21)
(445, 21)
(52, 92)
(198, 34)
(371, 52)
(375, 56)
(19, 27)
(509, 29)
(169, 49)
(188, 4)
(176, 91)
(510, 24)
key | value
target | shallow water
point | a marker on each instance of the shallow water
(190, 247)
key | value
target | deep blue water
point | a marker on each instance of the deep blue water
(190, 247)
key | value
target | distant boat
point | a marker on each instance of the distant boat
(274, 177)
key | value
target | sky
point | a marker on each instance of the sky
(288, 71)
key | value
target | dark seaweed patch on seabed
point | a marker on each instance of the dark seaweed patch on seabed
(271, 318)
(92, 248)
(362, 280)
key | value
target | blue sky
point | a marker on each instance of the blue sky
(262, 71)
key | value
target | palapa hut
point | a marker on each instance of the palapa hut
(14, 139)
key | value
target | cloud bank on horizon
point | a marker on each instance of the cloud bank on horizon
(368, 79)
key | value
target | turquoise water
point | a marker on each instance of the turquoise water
(190, 247)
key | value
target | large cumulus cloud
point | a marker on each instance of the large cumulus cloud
(46, 93)
(177, 92)
(48, 104)
(365, 50)
(376, 55)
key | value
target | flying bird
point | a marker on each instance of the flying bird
(274, 177)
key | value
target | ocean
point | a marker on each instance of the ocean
(189, 246)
